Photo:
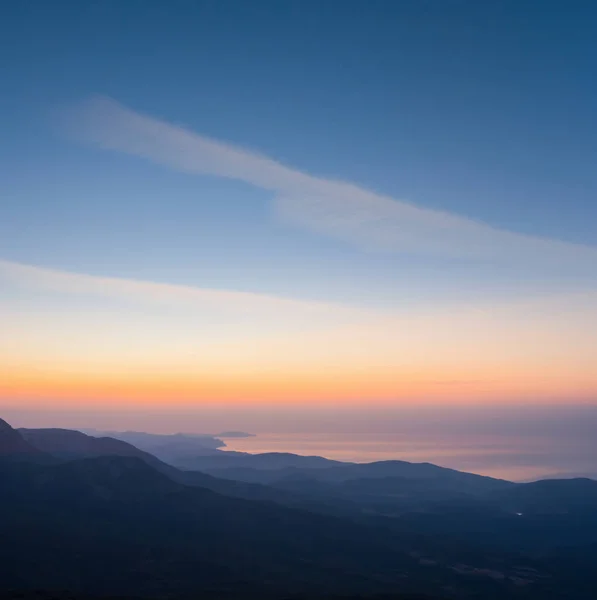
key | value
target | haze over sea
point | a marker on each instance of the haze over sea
(518, 443)
(517, 459)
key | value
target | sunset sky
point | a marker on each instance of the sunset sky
(297, 204)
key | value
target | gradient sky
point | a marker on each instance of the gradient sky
(297, 204)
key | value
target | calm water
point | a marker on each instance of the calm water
(518, 443)
(508, 457)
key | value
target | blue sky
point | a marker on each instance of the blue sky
(425, 169)
(482, 109)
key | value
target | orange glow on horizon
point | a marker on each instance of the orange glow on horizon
(28, 385)
(91, 352)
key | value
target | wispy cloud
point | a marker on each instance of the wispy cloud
(66, 331)
(336, 208)
(154, 293)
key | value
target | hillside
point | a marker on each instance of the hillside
(131, 525)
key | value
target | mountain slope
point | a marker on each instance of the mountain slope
(117, 525)
(167, 447)
(549, 496)
(69, 444)
(114, 525)
(339, 472)
(321, 485)
(388, 487)
(58, 522)
(65, 444)
(241, 460)
(14, 447)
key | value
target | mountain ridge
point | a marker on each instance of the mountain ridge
(156, 533)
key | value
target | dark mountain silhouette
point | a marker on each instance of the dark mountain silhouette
(114, 525)
(364, 487)
(292, 471)
(70, 444)
(201, 451)
(331, 486)
(66, 444)
(241, 460)
(570, 475)
(166, 447)
(385, 473)
(14, 447)
(549, 496)
(127, 523)
(320, 488)
(543, 518)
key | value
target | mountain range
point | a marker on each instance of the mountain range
(99, 516)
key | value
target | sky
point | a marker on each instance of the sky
(278, 207)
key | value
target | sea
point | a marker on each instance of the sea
(516, 458)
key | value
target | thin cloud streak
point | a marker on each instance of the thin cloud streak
(149, 292)
(582, 304)
(560, 328)
(335, 208)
